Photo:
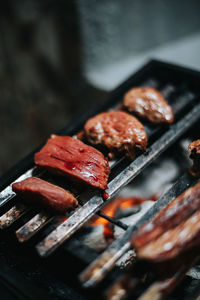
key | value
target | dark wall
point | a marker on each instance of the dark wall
(41, 82)
(112, 29)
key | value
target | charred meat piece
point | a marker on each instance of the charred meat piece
(118, 131)
(148, 103)
(174, 242)
(81, 163)
(172, 215)
(37, 191)
(194, 149)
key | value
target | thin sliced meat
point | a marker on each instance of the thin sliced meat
(173, 242)
(172, 215)
(148, 103)
(118, 131)
(81, 163)
(37, 191)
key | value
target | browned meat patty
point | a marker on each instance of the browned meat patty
(37, 191)
(79, 162)
(148, 103)
(173, 242)
(194, 149)
(172, 215)
(118, 131)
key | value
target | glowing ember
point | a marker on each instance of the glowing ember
(111, 209)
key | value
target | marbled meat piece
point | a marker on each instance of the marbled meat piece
(118, 131)
(194, 149)
(174, 242)
(148, 103)
(172, 215)
(37, 191)
(81, 163)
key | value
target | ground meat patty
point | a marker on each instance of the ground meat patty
(194, 149)
(118, 131)
(174, 242)
(172, 215)
(149, 104)
(79, 162)
(37, 191)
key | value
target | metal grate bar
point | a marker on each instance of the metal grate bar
(13, 214)
(25, 232)
(113, 221)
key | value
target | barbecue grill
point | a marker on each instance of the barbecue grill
(40, 254)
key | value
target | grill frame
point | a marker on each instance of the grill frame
(149, 70)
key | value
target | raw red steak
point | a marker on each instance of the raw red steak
(150, 104)
(118, 131)
(35, 190)
(70, 157)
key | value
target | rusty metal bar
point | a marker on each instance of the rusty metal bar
(13, 215)
(25, 232)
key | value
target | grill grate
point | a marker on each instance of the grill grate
(78, 218)
(180, 87)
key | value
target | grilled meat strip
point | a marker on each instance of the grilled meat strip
(174, 242)
(118, 131)
(81, 163)
(148, 103)
(37, 191)
(172, 215)
(194, 149)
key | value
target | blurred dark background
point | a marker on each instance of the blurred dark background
(57, 58)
